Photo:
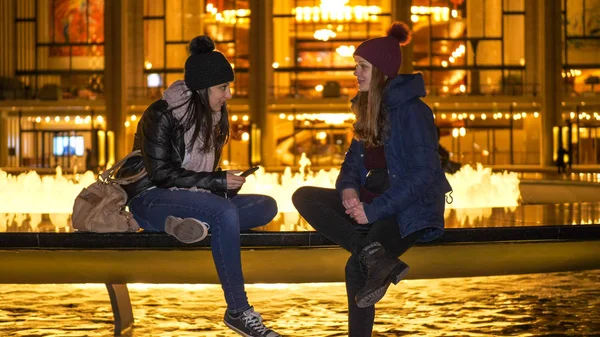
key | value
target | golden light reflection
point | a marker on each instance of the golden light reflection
(336, 10)
(231, 16)
(324, 34)
(437, 13)
(204, 286)
(345, 51)
(327, 118)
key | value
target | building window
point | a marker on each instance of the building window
(506, 135)
(315, 40)
(581, 43)
(471, 46)
(60, 49)
(169, 25)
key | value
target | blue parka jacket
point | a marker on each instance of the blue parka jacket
(418, 185)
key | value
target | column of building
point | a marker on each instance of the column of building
(115, 16)
(124, 62)
(550, 74)
(401, 11)
(261, 75)
(134, 78)
(533, 58)
(7, 66)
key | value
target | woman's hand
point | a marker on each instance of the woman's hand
(234, 181)
(350, 198)
(358, 214)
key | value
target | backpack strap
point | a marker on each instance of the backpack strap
(106, 176)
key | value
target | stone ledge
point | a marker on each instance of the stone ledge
(259, 239)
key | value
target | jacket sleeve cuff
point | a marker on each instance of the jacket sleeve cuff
(220, 181)
(344, 186)
(370, 212)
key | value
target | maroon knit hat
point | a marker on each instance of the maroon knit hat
(384, 52)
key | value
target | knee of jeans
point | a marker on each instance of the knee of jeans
(301, 195)
(353, 267)
(227, 214)
(270, 207)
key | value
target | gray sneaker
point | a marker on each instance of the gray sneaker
(249, 324)
(186, 230)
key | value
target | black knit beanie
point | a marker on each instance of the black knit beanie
(206, 67)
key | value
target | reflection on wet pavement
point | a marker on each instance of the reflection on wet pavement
(561, 304)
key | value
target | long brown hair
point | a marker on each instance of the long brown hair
(199, 116)
(371, 115)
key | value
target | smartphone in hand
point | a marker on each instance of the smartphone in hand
(249, 171)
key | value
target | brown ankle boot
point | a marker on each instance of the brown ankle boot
(382, 270)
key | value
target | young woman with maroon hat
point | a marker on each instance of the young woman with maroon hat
(390, 192)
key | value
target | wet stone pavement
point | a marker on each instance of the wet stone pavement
(560, 304)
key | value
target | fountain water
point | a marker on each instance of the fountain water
(48, 201)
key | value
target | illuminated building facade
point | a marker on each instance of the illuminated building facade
(508, 80)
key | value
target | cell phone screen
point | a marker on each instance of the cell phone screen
(249, 171)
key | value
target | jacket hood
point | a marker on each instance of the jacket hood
(403, 88)
(177, 94)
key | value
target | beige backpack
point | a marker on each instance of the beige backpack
(100, 207)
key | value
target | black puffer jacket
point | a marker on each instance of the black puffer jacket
(160, 137)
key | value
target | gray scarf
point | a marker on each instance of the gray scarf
(177, 97)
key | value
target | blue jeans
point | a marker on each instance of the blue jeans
(226, 218)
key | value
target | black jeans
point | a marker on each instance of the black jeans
(323, 210)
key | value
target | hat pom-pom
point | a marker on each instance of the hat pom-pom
(201, 44)
(400, 31)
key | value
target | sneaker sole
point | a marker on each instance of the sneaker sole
(376, 295)
(235, 329)
(188, 230)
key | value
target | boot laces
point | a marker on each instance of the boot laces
(367, 251)
(253, 320)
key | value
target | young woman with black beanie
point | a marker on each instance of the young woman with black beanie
(181, 137)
